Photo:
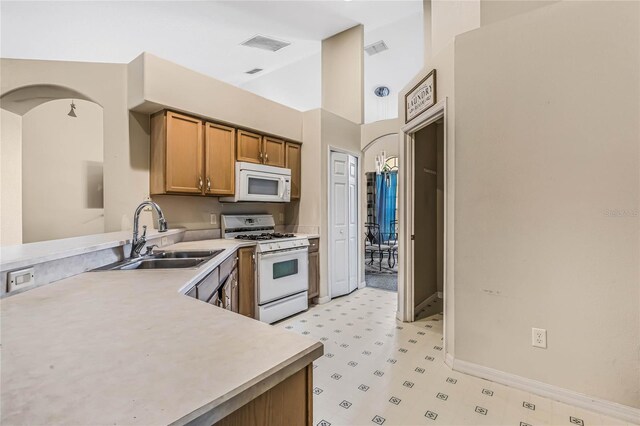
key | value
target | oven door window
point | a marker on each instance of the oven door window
(285, 268)
(261, 186)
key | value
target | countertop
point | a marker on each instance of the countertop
(17, 256)
(126, 347)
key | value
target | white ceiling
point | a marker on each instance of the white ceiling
(206, 36)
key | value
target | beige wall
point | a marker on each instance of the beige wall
(306, 213)
(496, 10)
(62, 161)
(369, 132)
(10, 178)
(388, 144)
(155, 83)
(343, 74)
(537, 177)
(195, 212)
(126, 171)
(450, 18)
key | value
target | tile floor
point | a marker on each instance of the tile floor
(377, 370)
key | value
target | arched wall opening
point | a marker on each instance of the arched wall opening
(52, 164)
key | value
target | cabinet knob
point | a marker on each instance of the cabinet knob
(266, 158)
(208, 184)
(200, 182)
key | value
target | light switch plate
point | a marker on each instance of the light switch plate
(213, 218)
(23, 278)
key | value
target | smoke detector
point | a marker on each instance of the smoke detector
(381, 91)
(375, 48)
(265, 43)
(254, 71)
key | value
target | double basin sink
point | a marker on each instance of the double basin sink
(164, 260)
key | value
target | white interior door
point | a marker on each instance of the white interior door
(339, 229)
(353, 223)
(343, 224)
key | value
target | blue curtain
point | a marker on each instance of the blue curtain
(386, 188)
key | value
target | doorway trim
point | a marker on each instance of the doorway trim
(406, 311)
(359, 248)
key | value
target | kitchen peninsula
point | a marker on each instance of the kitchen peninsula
(129, 347)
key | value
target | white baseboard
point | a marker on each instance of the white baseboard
(440, 295)
(323, 300)
(363, 284)
(556, 393)
(448, 360)
(425, 302)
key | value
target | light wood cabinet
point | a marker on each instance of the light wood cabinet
(192, 156)
(219, 159)
(246, 282)
(293, 160)
(314, 268)
(249, 147)
(290, 402)
(189, 156)
(176, 154)
(274, 151)
(254, 148)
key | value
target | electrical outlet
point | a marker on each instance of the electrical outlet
(281, 217)
(213, 218)
(539, 338)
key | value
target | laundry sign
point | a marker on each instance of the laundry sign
(421, 97)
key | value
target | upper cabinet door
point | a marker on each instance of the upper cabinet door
(293, 160)
(273, 150)
(219, 159)
(249, 147)
(184, 161)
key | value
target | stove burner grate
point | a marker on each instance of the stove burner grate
(264, 236)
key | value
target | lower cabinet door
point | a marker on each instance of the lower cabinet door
(234, 291)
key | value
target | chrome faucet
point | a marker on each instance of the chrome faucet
(138, 243)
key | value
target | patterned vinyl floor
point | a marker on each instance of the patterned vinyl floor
(377, 370)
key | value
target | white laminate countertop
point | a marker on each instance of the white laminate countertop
(126, 347)
(20, 255)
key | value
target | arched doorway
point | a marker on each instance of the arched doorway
(52, 164)
(380, 212)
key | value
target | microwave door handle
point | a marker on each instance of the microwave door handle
(282, 188)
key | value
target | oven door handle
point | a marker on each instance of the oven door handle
(282, 253)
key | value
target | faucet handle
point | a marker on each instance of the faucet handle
(150, 249)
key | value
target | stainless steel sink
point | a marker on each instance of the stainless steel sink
(164, 260)
(185, 254)
(161, 264)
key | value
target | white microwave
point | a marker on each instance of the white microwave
(261, 183)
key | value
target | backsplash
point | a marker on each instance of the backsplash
(194, 213)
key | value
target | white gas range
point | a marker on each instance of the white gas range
(282, 264)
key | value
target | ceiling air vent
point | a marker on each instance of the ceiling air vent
(266, 43)
(375, 48)
(254, 71)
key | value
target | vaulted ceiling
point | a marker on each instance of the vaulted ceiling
(206, 37)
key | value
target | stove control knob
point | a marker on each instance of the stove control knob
(278, 245)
